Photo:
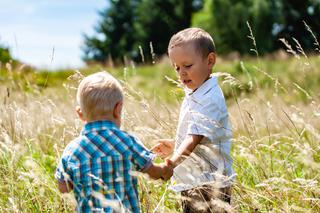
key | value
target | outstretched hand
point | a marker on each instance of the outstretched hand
(164, 148)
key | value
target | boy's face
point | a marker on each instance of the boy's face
(192, 68)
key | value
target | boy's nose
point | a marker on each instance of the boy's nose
(182, 72)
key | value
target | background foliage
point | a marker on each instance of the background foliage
(127, 24)
(5, 55)
(128, 28)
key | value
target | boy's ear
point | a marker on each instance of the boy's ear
(80, 114)
(117, 110)
(211, 59)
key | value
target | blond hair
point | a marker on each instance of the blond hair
(201, 40)
(98, 94)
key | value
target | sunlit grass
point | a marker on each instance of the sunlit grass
(274, 110)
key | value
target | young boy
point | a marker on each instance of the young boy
(203, 166)
(98, 165)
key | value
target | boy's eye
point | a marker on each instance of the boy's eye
(188, 66)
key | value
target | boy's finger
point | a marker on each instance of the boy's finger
(156, 147)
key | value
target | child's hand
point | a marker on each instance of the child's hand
(164, 148)
(167, 171)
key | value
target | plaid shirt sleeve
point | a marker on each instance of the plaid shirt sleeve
(63, 172)
(142, 157)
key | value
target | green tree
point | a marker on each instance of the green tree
(291, 24)
(127, 24)
(115, 32)
(230, 20)
(166, 17)
(269, 20)
(5, 55)
(204, 18)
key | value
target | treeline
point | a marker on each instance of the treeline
(141, 29)
(5, 55)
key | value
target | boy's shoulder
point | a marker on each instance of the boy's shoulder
(110, 137)
(99, 140)
(126, 137)
(106, 128)
(208, 94)
(73, 146)
(129, 139)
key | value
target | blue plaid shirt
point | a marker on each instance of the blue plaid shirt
(99, 164)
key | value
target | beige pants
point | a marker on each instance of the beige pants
(206, 199)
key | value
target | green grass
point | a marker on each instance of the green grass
(295, 79)
(274, 110)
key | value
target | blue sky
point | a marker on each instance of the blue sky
(33, 28)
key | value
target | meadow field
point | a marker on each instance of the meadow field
(274, 106)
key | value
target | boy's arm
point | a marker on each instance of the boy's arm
(185, 149)
(65, 187)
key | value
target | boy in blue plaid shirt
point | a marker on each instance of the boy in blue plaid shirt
(98, 164)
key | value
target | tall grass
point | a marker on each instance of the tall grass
(274, 110)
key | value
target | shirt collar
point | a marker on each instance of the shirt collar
(204, 88)
(97, 126)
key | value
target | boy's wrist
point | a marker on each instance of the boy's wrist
(170, 163)
(167, 171)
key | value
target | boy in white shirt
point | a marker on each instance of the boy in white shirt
(201, 158)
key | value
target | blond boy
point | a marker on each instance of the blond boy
(98, 165)
(201, 157)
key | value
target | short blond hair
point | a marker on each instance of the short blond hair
(98, 94)
(201, 40)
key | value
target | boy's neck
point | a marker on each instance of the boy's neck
(102, 118)
(202, 83)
